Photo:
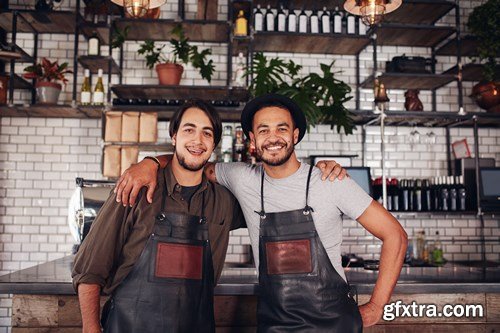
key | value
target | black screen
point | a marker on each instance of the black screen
(490, 179)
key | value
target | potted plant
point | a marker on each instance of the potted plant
(320, 96)
(47, 74)
(484, 24)
(170, 70)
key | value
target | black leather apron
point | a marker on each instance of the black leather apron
(299, 290)
(170, 288)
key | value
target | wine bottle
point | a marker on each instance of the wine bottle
(462, 194)
(417, 196)
(303, 21)
(281, 20)
(337, 21)
(269, 19)
(445, 195)
(426, 196)
(350, 24)
(292, 21)
(396, 195)
(325, 22)
(85, 94)
(241, 26)
(362, 28)
(98, 98)
(258, 19)
(314, 22)
(94, 47)
(453, 194)
(405, 195)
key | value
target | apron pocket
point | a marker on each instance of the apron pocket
(179, 261)
(289, 257)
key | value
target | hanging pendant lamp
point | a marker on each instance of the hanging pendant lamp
(371, 11)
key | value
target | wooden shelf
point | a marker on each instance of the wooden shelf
(468, 48)
(216, 93)
(159, 30)
(165, 113)
(46, 111)
(470, 72)
(410, 81)
(15, 52)
(411, 35)
(420, 11)
(52, 22)
(87, 29)
(308, 43)
(93, 63)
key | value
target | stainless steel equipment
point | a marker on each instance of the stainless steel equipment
(88, 198)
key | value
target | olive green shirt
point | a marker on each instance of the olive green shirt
(119, 234)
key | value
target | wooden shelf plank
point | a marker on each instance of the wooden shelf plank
(217, 93)
(309, 43)
(468, 48)
(470, 72)
(94, 63)
(6, 23)
(196, 31)
(48, 111)
(53, 22)
(410, 81)
(87, 29)
(411, 35)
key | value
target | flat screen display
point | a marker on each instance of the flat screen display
(490, 179)
(361, 175)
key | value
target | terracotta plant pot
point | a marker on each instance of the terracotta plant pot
(487, 95)
(169, 74)
(48, 92)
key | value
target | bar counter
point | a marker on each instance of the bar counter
(44, 297)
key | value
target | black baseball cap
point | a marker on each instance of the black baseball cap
(273, 100)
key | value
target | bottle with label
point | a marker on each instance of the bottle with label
(226, 146)
(94, 47)
(417, 196)
(239, 73)
(462, 194)
(241, 26)
(445, 195)
(314, 22)
(337, 21)
(350, 24)
(281, 20)
(291, 21)
(411, 195)
(436, 190)
(258, 18)
(325, 22)
(453, 194)
(362, 28)
(303, 21)
(426, 196)
(85, 94)
(437, 251)
(269, 18)
(98, 98)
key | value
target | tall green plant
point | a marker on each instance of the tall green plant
(484, 23)
(320, 96)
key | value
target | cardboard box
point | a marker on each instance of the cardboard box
(148, 127)
(129, 157)
(130, 126)
(111, 161)
(113, 129)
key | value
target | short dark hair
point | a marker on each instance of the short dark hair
(210, 111)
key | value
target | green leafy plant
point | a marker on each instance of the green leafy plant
(320, 96)
(484, 23)
(119, 36)
(182, 53)
(47, 71)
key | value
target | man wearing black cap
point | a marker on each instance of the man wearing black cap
(295, 225)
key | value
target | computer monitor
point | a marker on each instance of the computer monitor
(490, 189)
(361, 175)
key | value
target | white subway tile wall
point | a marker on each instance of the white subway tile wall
(40, 158)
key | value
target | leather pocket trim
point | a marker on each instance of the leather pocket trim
(289, 257)
(180, 261)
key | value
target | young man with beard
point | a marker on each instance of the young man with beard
(295, 225)
(159, 262)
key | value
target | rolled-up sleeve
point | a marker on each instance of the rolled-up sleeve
(99, 252)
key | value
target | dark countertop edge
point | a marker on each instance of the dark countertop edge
(251, 289)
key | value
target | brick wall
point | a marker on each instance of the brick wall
(40, 158)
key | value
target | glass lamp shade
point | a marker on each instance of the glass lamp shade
(371, 11)
(372, 14)
(139, 8)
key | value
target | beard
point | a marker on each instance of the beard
(274, 161)
(190, 166)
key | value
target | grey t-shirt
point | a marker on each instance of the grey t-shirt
(328, 199)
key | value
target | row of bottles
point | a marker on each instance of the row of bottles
(87, 97)
(325, 22)
(235, 147)
(445, 193)
(423, 251)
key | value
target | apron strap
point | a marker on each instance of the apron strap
(262, 212)
(161, 216)
(308, 209)
(203, 218)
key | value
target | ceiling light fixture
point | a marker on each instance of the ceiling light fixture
(139, 8)
(371, 11)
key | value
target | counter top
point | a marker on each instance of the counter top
(54, 277)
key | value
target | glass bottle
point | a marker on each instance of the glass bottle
(227, 144)
(292, 21)
(337, 21)
(462, 194)
(325, 22)
(239, 73)
(350, 24)
(362, 28)
(269, 17)
(437, 252)
(303, 21)
(281, 20)
(258, 19)
(98, 98)
(85, 93)
(241, 27)
(314, 22)
(94, 47)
